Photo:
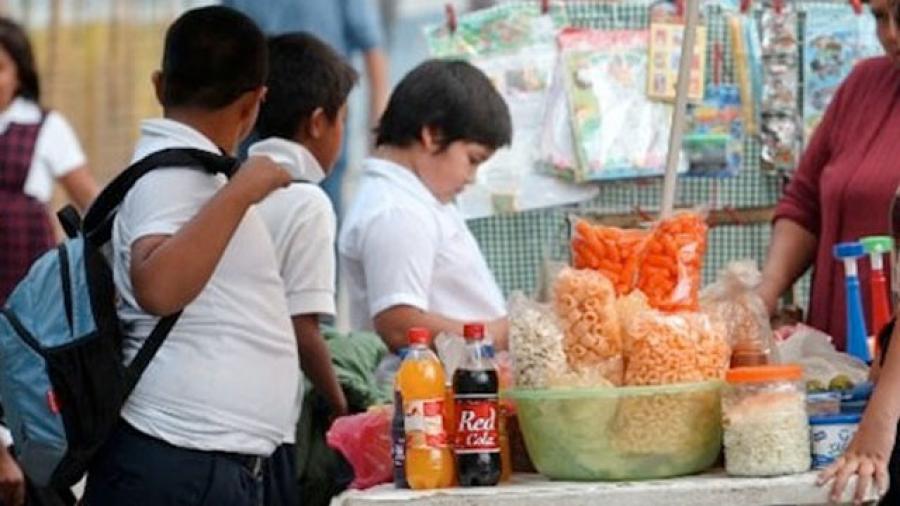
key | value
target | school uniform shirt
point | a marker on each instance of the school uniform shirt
(399, 245)
(303, 225)
(226, 377)
(56, 152)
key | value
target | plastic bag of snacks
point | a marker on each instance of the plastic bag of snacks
(670, 269)
(536, 343)
(614, 252)
(664, 349)
(732, 299)
(628, 308)
(585, 302)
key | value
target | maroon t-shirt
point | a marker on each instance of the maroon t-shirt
(845, 183)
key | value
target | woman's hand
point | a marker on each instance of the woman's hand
(867, 458)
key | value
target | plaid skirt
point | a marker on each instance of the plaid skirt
(25, 234)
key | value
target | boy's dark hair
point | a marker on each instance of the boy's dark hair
(14, 41)
(304, 74)
(212, 56)
(450, 96)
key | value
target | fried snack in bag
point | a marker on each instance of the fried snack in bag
(670, 270)
(536, 344)
(628, 308)
(664, 349)
(732, 299)
(614, 252)
(585, 301)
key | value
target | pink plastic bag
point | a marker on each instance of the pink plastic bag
(365, 441)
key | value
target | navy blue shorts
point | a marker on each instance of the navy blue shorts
(280, 478)
(139, 470)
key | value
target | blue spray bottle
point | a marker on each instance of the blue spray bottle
(857, 343)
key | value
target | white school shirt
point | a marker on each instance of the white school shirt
(399, 245)
(226, 377)
(302, 223)
(56, 151)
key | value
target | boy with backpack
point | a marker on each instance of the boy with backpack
(301, 127)
(214, 401)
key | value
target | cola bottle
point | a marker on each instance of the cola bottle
(477, 409)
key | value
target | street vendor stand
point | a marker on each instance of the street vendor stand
(710, 489)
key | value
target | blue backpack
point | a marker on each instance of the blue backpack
(62, 377)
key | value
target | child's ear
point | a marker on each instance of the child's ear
(250, 102)
(158, 85)
(430, 138)
(317, 124)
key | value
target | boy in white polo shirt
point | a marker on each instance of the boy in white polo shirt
(215, 399)
(301, 125)
(406, 253)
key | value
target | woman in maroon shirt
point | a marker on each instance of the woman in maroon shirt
(843, 188)
(842, 191)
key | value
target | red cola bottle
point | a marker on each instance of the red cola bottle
(477, 408)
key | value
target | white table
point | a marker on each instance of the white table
(710, 489)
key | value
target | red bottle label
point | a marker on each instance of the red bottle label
(424, 423)
(477, 424)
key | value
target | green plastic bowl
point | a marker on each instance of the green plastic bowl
(626, 433)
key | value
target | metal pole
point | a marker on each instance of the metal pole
(692, 15)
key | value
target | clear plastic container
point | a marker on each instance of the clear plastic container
(765, 421)
(625, 433)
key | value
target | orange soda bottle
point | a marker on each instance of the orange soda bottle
(420, 380)
(450, 424)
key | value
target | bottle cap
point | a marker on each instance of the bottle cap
(847, 250)
(419, 335)
(877, 244)
(473, 331)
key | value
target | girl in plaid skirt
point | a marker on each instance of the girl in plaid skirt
(37, 148)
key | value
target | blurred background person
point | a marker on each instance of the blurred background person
(349, 26)
(37, 148)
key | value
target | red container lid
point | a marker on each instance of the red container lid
(419, 335)
(473, 331)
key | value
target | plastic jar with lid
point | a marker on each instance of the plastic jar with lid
(766, 428)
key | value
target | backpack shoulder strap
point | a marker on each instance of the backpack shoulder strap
(97, 227)
(148, 350)
(99, 218)
(70, 221)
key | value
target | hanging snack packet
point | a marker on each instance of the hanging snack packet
(585, 302)
(614, 252)
(671, 267)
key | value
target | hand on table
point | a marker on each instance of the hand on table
(867, 458)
